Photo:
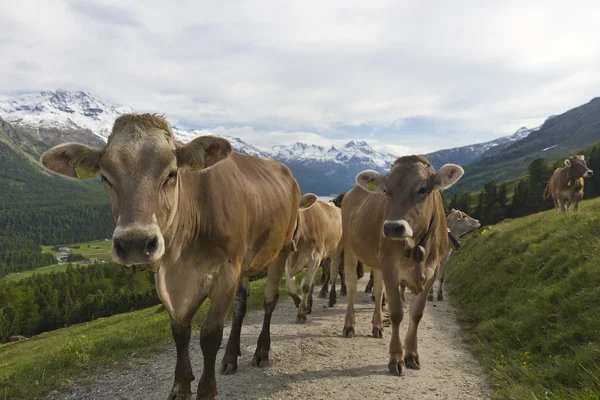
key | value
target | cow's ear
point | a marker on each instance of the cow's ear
(568, 162)
(371, 181)
(203, 152)
(447, 176)
(307, 200)
(73, 160)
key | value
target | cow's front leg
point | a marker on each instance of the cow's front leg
(211, 333)
(261, 355)
(232, 352)
(417, 306)
(350, 261)
(343, 288)
(377, 314)
(369, 287)
(396, 310)
(336, 259)
(307, 286)
(182, 389)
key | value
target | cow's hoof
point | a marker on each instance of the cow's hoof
(378, 333)
(343, 291)
(260, 362)
(301, 319)
(348, 332)
(179, 396)
(440, 297)
(228, 368)
(323, 294)
(412, 361)
(297, 300)
(396, 368)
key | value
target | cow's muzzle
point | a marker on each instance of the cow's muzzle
(588, 174)
(397, 229)
(132, 247)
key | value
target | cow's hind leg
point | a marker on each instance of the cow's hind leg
(350, 261)
(336, 260)
(417, 306)
(307, 285)
(377, 314)
(369, 287)
(182, 389)
(396, 310)
(229, 363)
(261, 355)
(325, 278)
(290, 278)
(343, 288)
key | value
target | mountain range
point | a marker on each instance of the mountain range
(39, 121)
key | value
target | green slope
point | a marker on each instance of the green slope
(528, 292)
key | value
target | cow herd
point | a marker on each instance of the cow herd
(205, 218)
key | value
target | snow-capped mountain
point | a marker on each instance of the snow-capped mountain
(63, 109)
(467, 154)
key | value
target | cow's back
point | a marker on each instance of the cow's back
(247, 207)
(320, 228)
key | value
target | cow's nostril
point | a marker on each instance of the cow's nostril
(400, 230)
(151, 245)
(119, 248)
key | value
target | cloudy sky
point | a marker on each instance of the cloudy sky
(405, 76)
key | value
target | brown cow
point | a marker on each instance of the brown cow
(566, 184)
(326, 278)
(459, 224)
(203, 219)
(317, 238)
(396, 224)
(16, 338)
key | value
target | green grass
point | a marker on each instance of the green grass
(17, 276)
(528, 293)
(57, 359)
(100, 249)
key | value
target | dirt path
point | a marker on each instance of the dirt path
(313, 361)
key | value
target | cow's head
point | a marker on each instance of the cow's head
(578, 167)
(410, 186)
(141, 168)
(460, 223)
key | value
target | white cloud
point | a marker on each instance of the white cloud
(474, 70)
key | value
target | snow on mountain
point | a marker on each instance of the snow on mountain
(60, 109)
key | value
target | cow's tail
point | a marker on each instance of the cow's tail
(547, 191)
(294, 245)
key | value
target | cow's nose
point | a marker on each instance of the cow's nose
(135, 249)
(396, 229)
(590, 172)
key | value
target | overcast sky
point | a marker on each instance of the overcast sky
(405, 76)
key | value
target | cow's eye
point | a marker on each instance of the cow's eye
(386, 192)
(422, 190)
(103, 178)
(171, 176)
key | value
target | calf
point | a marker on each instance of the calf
(396, 225)
(203, 219)
(566, 184)
(320, 230)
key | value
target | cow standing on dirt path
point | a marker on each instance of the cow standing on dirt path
(320, 230)
(203, 219)
(566, 184)
(396, 224)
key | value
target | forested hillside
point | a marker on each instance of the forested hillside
(38, 208)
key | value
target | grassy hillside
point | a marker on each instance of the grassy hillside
(56, 359)
(561, 135)
(528, 292)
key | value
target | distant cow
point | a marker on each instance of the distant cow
(566, 184)
(203, 219)
(320, 230)
(326, 278)
(396, 225)
(16, 338)
(459, 224)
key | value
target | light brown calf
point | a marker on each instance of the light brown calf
(396, 224)
(318, 236)
(566, 184)
(459, 224)
(203, 219)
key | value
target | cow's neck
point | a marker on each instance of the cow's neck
(419, 251)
